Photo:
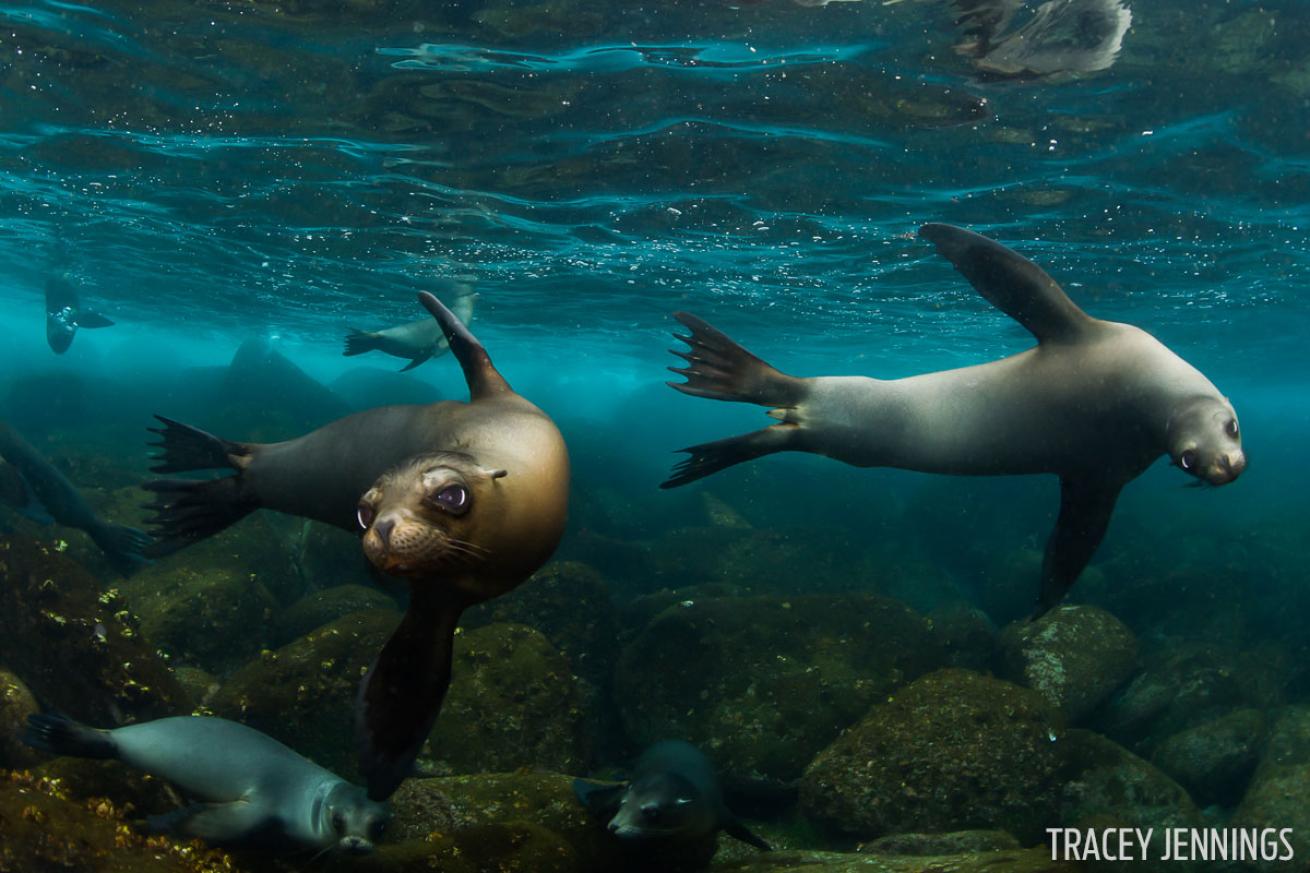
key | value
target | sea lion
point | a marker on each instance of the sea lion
(64, 313)
(674, 796)
(462, 525)
(33, 486)
(257, 793)
(1095, 402)
(417, 341)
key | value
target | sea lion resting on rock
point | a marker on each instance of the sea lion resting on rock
(1095, 402)
(35, 487)
(258, 793)
(475, 503)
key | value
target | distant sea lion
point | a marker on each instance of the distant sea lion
(258, 793)
(33, 486)
(1095, 402)
(64, 313)
(462, 525)
(417, 341)
(674, 796)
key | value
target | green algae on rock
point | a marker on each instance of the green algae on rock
(1279, 795)
(16, 704)
(1215, 759)
(950, 843)
(76, 645)
(325, 606)
(761, 684)
(952, 750)
(1012, 861)
(1074, 656)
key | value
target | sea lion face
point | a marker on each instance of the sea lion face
(422, 518)
(355, 821)
(661, 806)
(1206, 441)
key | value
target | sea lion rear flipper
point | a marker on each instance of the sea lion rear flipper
(360, 341)
(400, 697)
(1010, 282)
(91, 320)
(734, 828)
(189, 510)
(124, 546)
(1085, 509)
(708, 458)
(481, 375)
(187, 448)
(601, 800)
(416, 361)
(60, 735)
(721, 369)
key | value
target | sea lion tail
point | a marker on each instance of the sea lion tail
(360, 341)
(721, 369)
(708, 458)
(189, 510)
(60, 735)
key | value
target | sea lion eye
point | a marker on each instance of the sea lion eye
(1232, 428)
(364, 515)
(1188, 459)
(453, 498)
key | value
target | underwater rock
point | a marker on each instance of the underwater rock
(76, 646)
(326, 606)
(1182, 686)
(1279, 794)
(1215, 759)
(952, 843)
(41, 829)
(761, 684)
(303, 694)
(512, 703)
(323, 556)
(511, 846)
(16, 704)
(1074, 656)
(763, 559)
(951, 750)
(273, 397)
(367, 387)
(1108, 786)
(200, 686)
(966, 635)
(1014, 861)
(215, 618)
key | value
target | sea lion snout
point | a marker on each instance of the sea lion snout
(1226, 468)
(355, 845)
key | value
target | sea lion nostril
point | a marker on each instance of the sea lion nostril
(384, 528)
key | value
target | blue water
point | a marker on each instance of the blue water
(217, 172)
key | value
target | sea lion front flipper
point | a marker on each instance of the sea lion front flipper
(422, 358)
(481, 375)
(219, 823)
(734, 828)
(1011, 283)
(1085, 509)
(601, 799)
(400, 697)
(91, 320)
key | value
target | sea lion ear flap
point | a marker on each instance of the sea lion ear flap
(481, 375)
(494, 474)
(1010, 282)
(600, 799)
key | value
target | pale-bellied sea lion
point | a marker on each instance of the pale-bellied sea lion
(673, 796)
(416, 341)
(1095, 402)
(64, 313)
(33, 486)
(257, 793)
(462, 525)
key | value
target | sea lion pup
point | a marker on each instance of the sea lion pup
(674, 796)
(322, 474)
(64, 313)
(462, 526)
(1095, 402)
(33, 486)
(257, 793)
(416, 341)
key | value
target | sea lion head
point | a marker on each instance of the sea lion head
(423, 517)
(1205, 440)
(353, 821)
(661, 805)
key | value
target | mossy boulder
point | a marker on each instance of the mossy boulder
(16, 704)
(952, 750)
(1012, 861)
(951, 843)
(1074, 656)
(966, 635)
(75, 644)
(512, 703)
(1214, 760)
(1279, 794)
(761, 684)
(514, 847)
(303, 694)
(326, 606)
(213, 618)
(1107, 786)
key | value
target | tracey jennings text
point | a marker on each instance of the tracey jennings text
(1174, 844)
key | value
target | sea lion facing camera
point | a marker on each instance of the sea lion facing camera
(1095, 402)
